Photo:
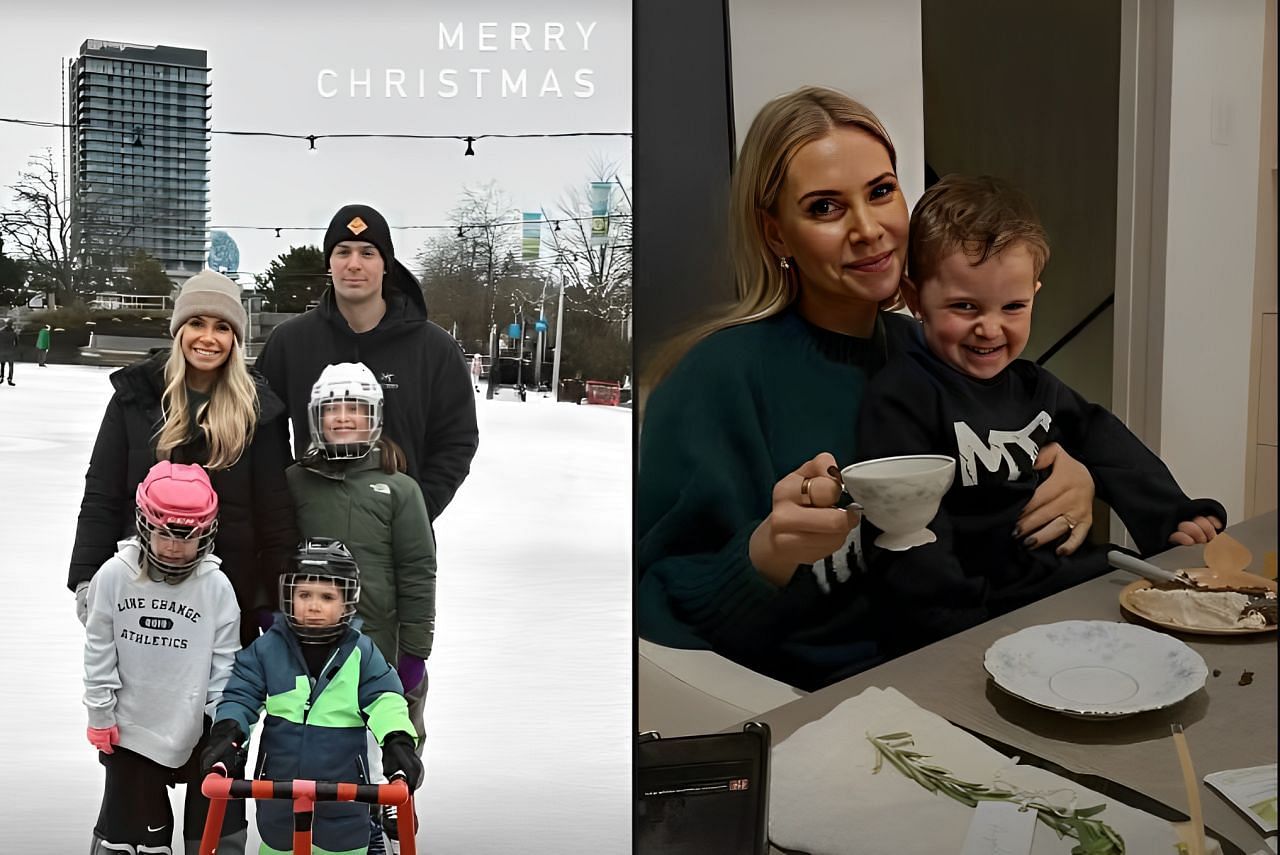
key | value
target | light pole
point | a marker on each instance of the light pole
(520, 354)
(540, 348)
(555, 362)
(495, 355)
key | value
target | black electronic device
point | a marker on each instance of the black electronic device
(698, 795)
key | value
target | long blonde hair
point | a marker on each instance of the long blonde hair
(781, 128)
(229, 418)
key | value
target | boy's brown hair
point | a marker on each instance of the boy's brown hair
(979, 215)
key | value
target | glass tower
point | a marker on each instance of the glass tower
(139, 154)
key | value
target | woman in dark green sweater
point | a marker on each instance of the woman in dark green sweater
(740, 546)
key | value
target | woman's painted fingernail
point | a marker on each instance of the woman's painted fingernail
(1030, 542)
(1017, 533)
(833, 472)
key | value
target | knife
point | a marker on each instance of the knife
(1146, 569)
(1104, 787)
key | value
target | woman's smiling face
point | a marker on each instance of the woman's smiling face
(841, 220)
(207, 343)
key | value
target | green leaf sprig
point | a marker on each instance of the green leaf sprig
(1093, 836)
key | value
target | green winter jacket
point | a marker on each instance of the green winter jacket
(383, 521)
(42, 339)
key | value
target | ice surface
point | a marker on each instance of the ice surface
(529, 710)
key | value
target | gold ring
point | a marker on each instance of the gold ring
(804, 493)
(1071, 524)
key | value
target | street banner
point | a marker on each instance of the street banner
(600, 193)
(532, 235)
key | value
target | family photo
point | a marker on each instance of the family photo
(318, 442)
(728, 428)
(955, 476)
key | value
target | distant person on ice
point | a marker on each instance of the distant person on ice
(161, 634)
(43, 340)
(375, 312)
(8, 349)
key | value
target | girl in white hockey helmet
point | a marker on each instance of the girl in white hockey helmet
(351, 486)
(161, 632)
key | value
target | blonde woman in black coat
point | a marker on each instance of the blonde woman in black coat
(199, 403)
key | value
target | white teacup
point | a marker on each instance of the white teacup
(900, 495)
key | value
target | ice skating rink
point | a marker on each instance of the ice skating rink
(529, 712)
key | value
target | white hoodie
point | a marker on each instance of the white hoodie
(157, 656)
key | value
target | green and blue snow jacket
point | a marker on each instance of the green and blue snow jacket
(314, 728)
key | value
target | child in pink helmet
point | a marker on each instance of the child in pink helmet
(161, 635)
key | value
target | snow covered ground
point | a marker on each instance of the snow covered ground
(529, 711)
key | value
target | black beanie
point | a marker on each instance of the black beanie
(360, 222)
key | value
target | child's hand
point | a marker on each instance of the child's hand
(104, 738)
(398, 757)
(411, 670)
(225, 746)
(82, 603)
(1198, 530)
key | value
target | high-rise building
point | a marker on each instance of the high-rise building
(139, 154)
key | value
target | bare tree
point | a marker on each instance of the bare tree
(598, 273)
(472, 273)
(39, 227)
(47, 231)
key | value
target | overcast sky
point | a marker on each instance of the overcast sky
(268, 64)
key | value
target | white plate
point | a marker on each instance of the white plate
(1095, 669)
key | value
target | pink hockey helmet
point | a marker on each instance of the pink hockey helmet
(177, 502)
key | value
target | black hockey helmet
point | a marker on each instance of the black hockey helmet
(320, 559)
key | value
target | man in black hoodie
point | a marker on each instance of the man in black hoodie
(374, 312)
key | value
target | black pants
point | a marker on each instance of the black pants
(6, 361)
(135, 801)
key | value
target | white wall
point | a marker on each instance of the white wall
(1210, 241)
(869, 49)
(1046, 120)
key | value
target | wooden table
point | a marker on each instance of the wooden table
(1228, 726)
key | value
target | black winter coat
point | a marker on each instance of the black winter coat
(430, 408)
(257, 530)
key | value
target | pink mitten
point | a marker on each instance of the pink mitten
(103, 738)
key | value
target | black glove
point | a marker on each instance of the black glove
(226, 745)
(399, 757)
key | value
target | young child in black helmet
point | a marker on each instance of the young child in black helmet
(322, 683)
(161, 629)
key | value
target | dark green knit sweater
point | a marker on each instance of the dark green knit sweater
(745, 407)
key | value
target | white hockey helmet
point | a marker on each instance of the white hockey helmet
(351, 397)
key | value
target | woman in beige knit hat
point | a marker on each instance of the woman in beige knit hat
(197, 403)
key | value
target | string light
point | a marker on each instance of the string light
(310, 139)
(460, 228)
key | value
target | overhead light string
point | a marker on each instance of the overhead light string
(310, 139)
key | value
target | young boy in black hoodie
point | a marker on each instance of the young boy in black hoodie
(974, 257)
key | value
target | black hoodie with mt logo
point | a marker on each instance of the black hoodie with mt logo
(429, 409)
